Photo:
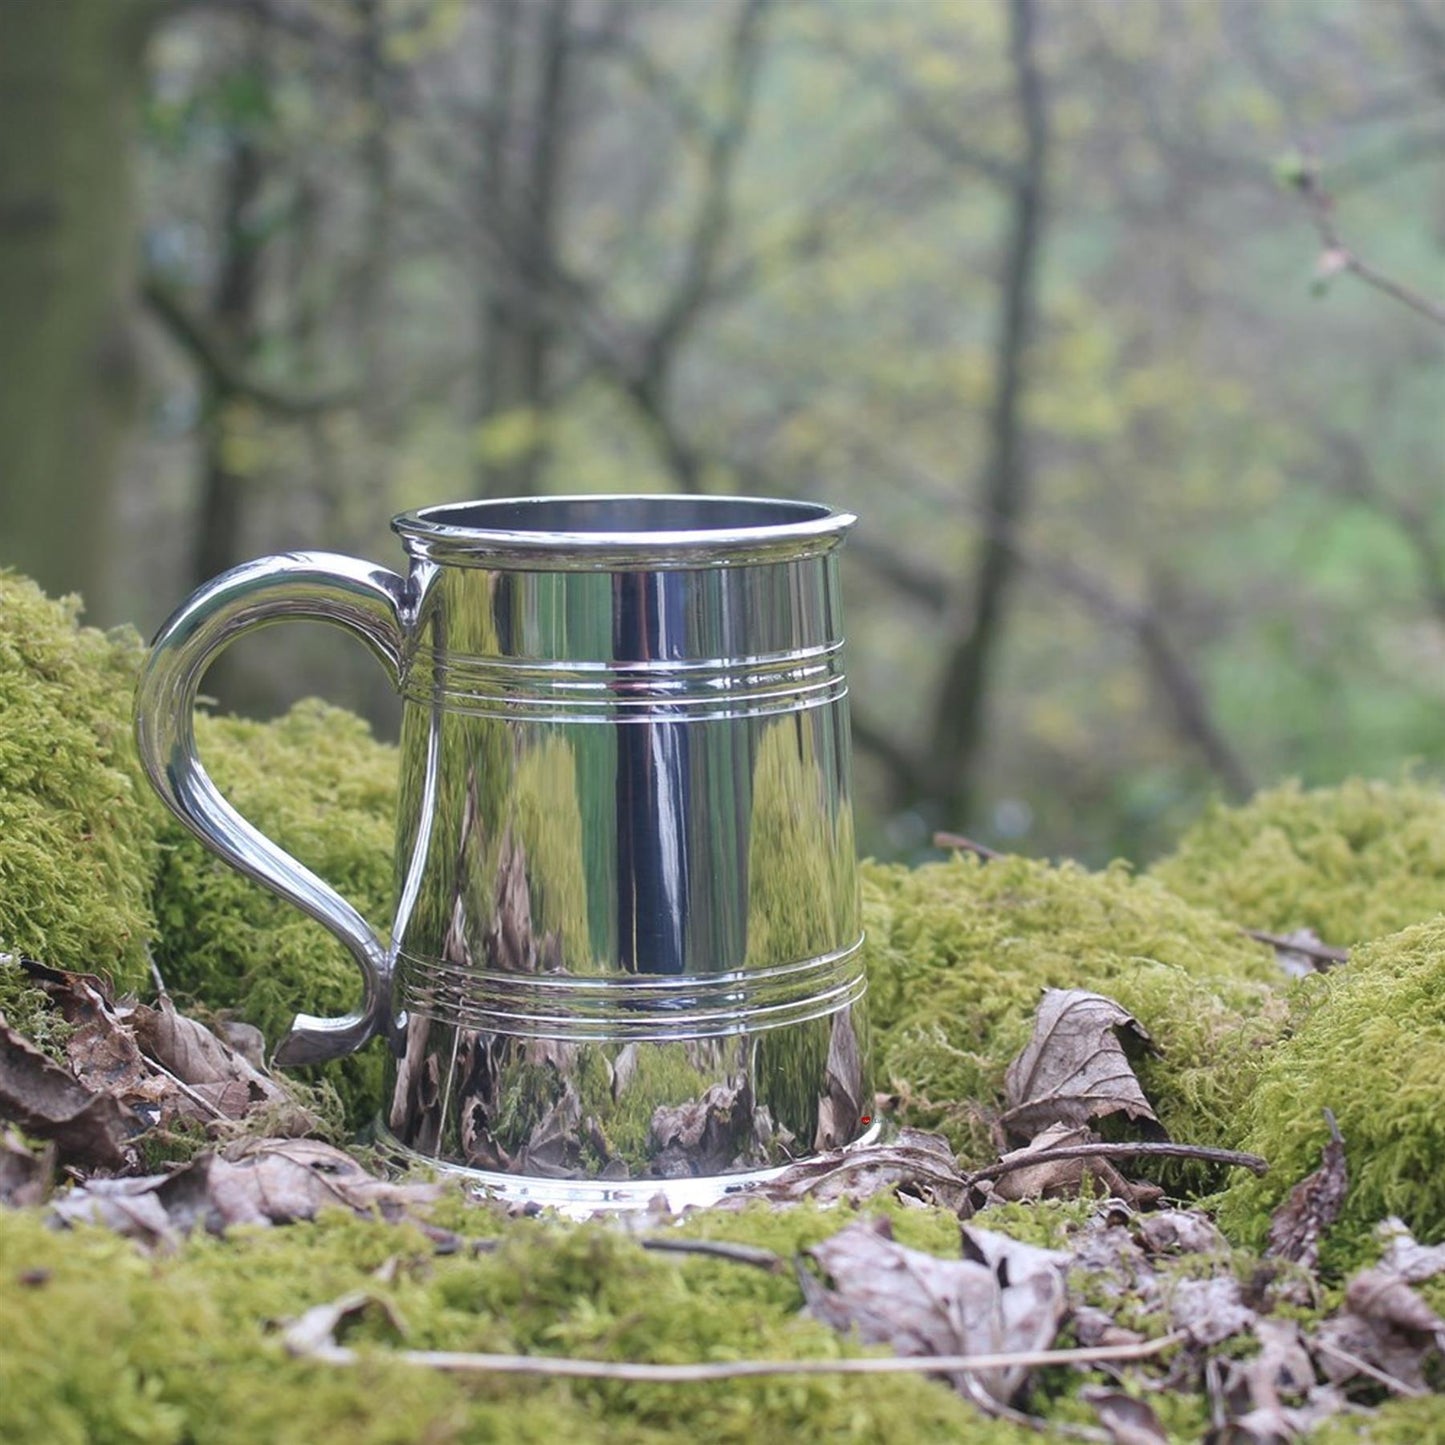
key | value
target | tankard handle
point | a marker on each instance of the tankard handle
(369, 602)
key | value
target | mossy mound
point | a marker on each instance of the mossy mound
(1370, 1045)
(184, 1347)
(958, 952)
(1353, 862)
(321, 786)
(76, 820)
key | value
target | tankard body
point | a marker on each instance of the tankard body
(626, 947)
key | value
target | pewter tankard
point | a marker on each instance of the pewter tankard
(626, 950)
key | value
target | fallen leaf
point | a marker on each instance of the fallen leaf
(916, 1165)
(1210, 1310)
(1094, 1326)
(25, 1176)
(1181, 1231)
(1074, 1067)
(101, 1049)
(246, 1039)
(1064, 1178)
(263, 1181)
(1007, 1297)
(195, 1056)
(1312, 1206)
(1382, 1295)
(89, 1129)
(1280, 1372)
(1413, 1262)
(1128, 1420)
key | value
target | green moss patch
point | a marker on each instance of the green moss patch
(184, 1347)
(1370, 1045)
(959, 951)
(1354, 862)
(76, 829)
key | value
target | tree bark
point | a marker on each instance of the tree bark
(70, 78)
(223, 487)
(961, 709)
(522, 172)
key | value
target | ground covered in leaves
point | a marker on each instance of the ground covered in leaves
(1164, 1162)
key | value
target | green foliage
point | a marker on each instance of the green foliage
(958, 952)
(321, 786)
(1370, 1045)
(180, 1348)
(1353, 862)
(76, 820)
(27, 1009)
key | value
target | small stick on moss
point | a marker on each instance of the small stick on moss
(1202, 1152)
(965, 845)
(312, 1337)
(1390, 1382)
(721, 1249)
(186, 1089)
(449, 1243)
(1320, 952)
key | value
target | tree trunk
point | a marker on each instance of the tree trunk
(218, 525)
(70, 78)
(960, 714)
(522, 173)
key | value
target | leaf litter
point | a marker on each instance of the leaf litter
(1150, 1295)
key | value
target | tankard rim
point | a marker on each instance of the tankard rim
(589, 531)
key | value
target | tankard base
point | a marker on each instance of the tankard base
(581, 1198)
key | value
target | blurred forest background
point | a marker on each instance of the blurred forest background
(1082, 305)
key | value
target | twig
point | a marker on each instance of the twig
(714, 1248)
(1320, 952)
(1025, 1159)
(965, 845)
(222, 371)
(720, 1249)
(185, 1088)
(310, 1338)
(1339, 257)
(1389, 1381)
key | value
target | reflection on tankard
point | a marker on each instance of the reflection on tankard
(627, 942)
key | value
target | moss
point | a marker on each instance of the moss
(28, 1010)
(182, 1347)
(76, 821)
(1408, 1422)
(958, 952)
(1370, 1045)
(1353, 862)
(321, 786)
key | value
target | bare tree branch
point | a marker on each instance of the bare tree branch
(222, 371)
(1337, 256)
(959, 714)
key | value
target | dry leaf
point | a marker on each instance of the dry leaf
(1312, 1206)
(1064, 1178)
(915, 1165)
(263, 1181)
(1128, 1420)
(25, 1177)
(89, 1129)
(1008, 1297)
(1414, 1263)
(1181, 1231)
(1210, 1310)
(212, 1069)
(1074, 1068)
(1382, 1295)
